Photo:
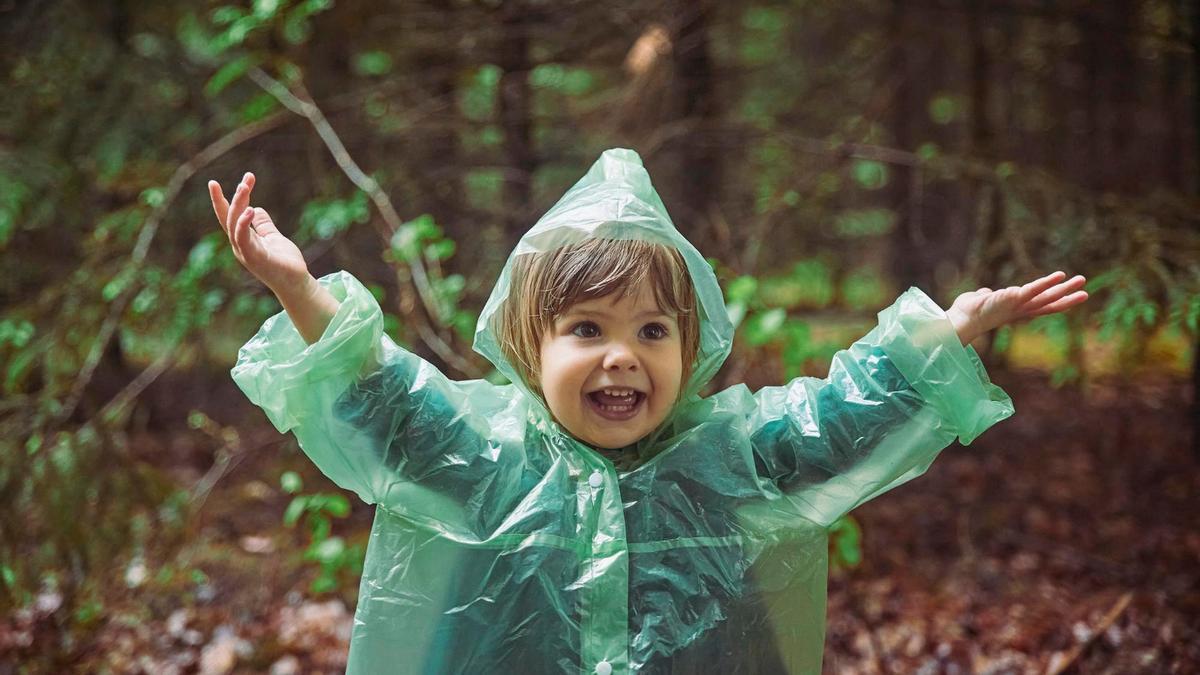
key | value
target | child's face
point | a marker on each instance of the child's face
(628, 347)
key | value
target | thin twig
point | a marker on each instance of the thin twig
(138, 384)
(306, 108)
(1063, 660)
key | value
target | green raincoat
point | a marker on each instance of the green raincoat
(502, 544)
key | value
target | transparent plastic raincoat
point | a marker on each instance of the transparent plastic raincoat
(502, 544)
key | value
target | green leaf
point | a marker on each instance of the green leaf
(478, 96)
(440, 250)
(117, 285)
(329, 550)
(228, 73)
(763, 327)
(1002, 339)
(291, 482)
(265, 9)
(870, 174)
(294, 510)
(741, 289)
(845, 537)
(373, 63)
(927, 151)
(227, 14)
(337, 506)
(257, 108)
(16, 332)
(295, 26)
(323, 584)
(864, 289)
(943, 108)
(856, 223)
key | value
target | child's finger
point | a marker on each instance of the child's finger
(1061, 304)
(247, 238)
(220, 204)
(240, 236)
(241, 197)
(1053, 294)
(263, 225)
(1036, 287)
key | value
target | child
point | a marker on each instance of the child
(597, 515)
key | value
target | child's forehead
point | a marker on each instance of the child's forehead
(640, 300)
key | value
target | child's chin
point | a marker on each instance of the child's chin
(616, 441)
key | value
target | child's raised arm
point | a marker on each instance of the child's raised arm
(273, 259)
(894, 399)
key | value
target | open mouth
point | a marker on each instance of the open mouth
(616, 403)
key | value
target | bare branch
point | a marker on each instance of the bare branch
(306, 108)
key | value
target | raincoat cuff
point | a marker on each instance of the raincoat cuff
(920, 340)
(274, 367)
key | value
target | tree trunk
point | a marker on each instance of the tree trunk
(696, 161)
(515, 119)
(1193, 7)
(905, 267)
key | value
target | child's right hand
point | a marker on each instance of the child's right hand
(257, 243)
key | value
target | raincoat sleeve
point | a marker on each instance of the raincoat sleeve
(375, 418)
(891, 403)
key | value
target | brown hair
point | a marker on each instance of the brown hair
(545, 285)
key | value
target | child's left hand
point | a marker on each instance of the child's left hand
(978, 312)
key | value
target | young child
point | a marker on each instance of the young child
(597, 515)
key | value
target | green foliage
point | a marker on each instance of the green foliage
(767, 25)
(864, 289)
(1129, 305)
(562, 79)
(855, 223)
(14, 195)
(373, 63)
(326, 219)
(944, 108)
(477, 96)
(337, 562)
(845, 543)
(870, 174)
(423, 239)
(759, 309)
(810, 284)
(227, 74)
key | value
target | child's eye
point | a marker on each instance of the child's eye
(654, 331)
(585, 329)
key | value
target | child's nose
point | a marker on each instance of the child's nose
(620, 357)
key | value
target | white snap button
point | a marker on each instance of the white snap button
(596, 480)
(604, 667)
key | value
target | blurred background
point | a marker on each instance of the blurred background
(824, 155)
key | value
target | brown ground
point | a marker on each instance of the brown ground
(1066, 537)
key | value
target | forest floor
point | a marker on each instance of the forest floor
(1066, 539)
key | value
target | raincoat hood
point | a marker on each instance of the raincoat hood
(614, 200)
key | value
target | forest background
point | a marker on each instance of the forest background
(825, 155)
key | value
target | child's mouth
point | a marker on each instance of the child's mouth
(616, 407)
